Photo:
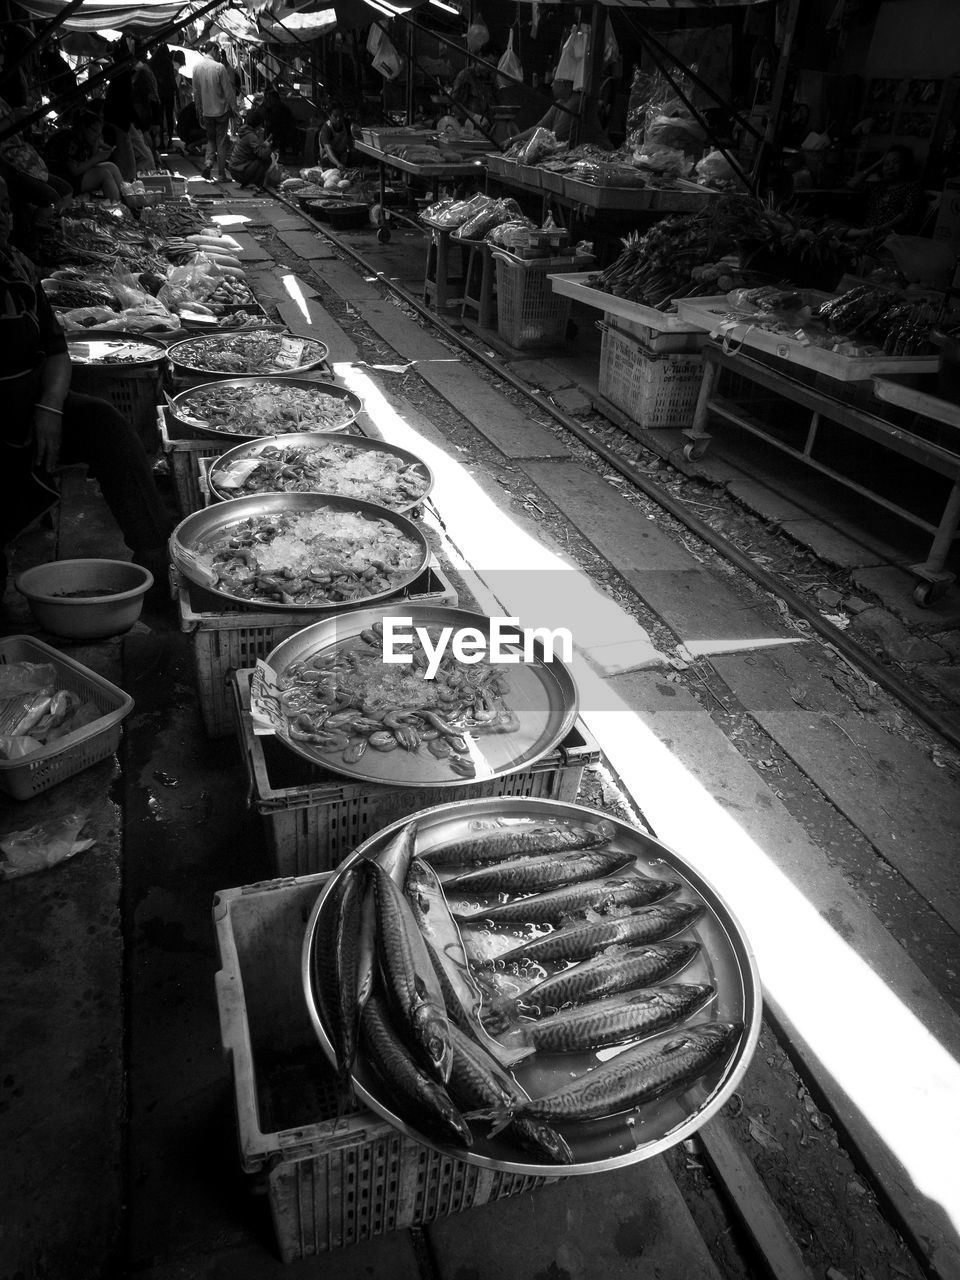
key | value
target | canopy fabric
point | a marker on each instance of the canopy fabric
(95, 15)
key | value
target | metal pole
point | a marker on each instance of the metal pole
(779, 90)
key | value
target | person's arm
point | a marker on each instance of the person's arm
(326, 150)
(80, 167)
(48, 410)
(859, 179)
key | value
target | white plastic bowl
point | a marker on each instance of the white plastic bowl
(120, 585)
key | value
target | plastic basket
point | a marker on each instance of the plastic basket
(183, 457)
(529, 313)
(654, 389)
(225, 638)
(331, 1181)
(171, 186)
(135, 393)
(24, 778)
(312, 818)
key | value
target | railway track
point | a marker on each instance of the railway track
(766, 1204)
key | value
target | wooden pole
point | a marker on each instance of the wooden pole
(779, 90)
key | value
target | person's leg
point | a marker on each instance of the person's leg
(94, 432)
(123, 156)
(223, 126)
(100, 178)
(210, 151)
(141, 149)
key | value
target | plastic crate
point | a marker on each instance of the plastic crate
(171, 186)
(183, 458)
(658, 341)
(331, 1181)
(224, 639)
(24, 778)
(529, 313)
(313, 818)
(133, 392)
(654, 389)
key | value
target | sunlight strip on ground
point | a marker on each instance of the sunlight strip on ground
(292, 286)
(896, 1073)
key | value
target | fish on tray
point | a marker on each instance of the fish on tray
(579, 941)
(494, 841)
(607, 975)
(549, 907)
(521, 875)
(618, 1019)
(638, 1075)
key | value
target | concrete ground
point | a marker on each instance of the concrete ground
(117, 1110)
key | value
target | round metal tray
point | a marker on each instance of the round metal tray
(99, 342)
(179, 405)
(627, 1137)
(204, 527)
(182, 362)
(307, 439)
(542, 693)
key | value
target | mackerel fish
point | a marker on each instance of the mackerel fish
(336, 947)
(427, 1103)
(477, 1082)
(619, 1019)
(607, 975)
(521, 875)
(637, 1075)
(579, 941)
(411, 983)
(494, 841)
(597, 895)
(462, 996)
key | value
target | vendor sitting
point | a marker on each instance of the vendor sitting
(79, 155)
(336, 140)
(894, 197)
(563, 115)
(252, 154)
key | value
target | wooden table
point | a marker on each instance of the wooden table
(467, 169)
(828, 401)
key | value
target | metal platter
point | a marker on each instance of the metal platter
(114, 349)
(221, 467)
(542, 694)
(187, 355)
(199, 531)
(180, 404)
(725, 961)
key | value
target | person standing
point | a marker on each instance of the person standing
(165, 73)
(216, 99)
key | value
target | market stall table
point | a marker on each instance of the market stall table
(826, 386)
(466, 169)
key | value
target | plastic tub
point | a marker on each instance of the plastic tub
(120, 588)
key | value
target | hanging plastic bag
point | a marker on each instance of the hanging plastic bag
(478, 34)
(611, 49)
(573, 57)
(509, 64)
(386, 60)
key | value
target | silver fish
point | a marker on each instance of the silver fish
(596, 895)
(607, 975)
(618, 1018)
(520, 875)
(579, 941)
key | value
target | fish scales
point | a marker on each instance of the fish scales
(542, 908)
(614, 1021)
(577, 942)
(638, 1075)
(428, 1103)
(609, 974)
(476, 1081)
(516, 876)
(511, 842)
(409, 975)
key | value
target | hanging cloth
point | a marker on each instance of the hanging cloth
(573, 57)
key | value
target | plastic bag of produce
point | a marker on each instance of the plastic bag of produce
(541, 143)
(476, 227)
(86, 317)
(457, 213)
(669, 162)
(715, 167)
(511, 235)
(189, 283)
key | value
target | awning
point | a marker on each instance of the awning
(95, 15)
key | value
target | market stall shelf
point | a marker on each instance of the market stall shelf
(443, 169)
(577, 286)
(312, 818)
(778, 379)
(715, 316)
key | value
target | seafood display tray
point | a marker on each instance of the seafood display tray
(184, 457)
(226, 637)
(330, 1182)
(313, 819)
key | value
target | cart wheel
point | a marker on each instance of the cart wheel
(928, 593)
(383, 235)
(695, 450)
